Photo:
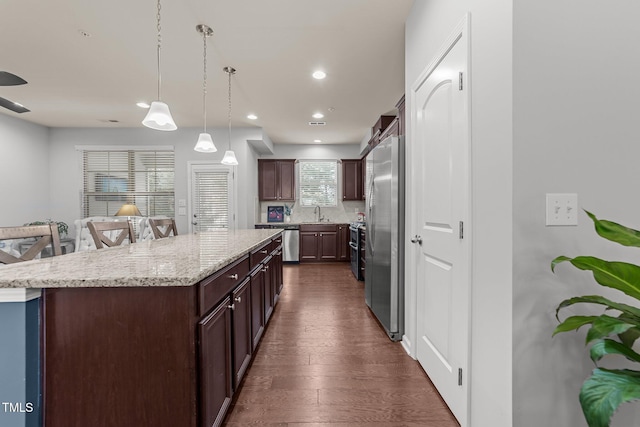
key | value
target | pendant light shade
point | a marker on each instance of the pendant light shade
(205, 144)
(159, 116)
(229, 156)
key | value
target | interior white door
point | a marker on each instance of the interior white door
(441, 199)
(211, 197)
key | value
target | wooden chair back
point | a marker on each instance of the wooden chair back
(169, 225)
(101, 240)
(44, 235)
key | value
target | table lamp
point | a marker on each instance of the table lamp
(128, 209)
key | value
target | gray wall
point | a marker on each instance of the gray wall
(429, 24)
(24, 170)
(575, 120)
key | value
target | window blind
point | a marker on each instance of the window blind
(112, 177)
(318, 182)
(211, 199)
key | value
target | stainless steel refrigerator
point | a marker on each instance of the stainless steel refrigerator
(384, 274)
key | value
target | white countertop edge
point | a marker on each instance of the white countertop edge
(19, 294)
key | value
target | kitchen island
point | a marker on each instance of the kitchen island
(158, 333)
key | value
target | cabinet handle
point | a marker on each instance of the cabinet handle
(264, 252)
(264, 270)
(231, 307)
(320, 234)
(238, 299)
(315, 235)
(233, 276)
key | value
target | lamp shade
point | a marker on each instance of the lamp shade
(205, 144)
(128, 209)
(159, 117)
(229, 158)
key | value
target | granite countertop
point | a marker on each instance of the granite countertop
(174, 261)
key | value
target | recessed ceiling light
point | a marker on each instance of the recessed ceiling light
(84, 33)
(318, 115)
(319, 75)
(317, 140)
(252, 117)
(143, 105)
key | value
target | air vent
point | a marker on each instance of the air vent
(317, 123)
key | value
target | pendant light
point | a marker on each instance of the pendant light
(159, 116)
(205, 143)
(229, 156)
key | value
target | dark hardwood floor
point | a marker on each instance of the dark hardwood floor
(325, 361)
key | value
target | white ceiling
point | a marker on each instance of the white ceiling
(78, 81)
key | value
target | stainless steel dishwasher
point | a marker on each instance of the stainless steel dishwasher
(291, 243)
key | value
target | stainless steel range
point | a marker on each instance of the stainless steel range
(354, 244)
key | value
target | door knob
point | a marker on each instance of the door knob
(417, 239)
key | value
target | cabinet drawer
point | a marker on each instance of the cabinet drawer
(275, 243)
(216, 287)
(259, 254)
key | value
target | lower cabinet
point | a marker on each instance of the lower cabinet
(216, 391)
(164, 356)
(324, 242)
(242, 338)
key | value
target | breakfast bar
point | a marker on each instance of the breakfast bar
(156, 333)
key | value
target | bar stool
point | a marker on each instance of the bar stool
(101, 239)
(168, 224)
(44, 235)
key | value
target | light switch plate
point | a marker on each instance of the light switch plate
(182, 211)
(182, 202)
(562, 209)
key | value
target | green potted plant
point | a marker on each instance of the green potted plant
(63, 228)
(613, 332)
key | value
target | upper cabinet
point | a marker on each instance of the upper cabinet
(276, 180)
(352, 179)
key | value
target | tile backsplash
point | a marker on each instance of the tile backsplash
(344, 213)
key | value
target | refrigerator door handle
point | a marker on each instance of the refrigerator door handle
(353, 246)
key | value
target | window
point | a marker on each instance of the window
(318, 182)
(115, 176)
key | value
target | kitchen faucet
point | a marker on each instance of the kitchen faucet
(317, 208)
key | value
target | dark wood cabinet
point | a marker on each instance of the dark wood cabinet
(344, 250)
(242, 339)
(214, 335)
(392, 130)
(352, 182)
(276, 180)
(269, 288)
(324, 242)
(328, 245)
(178, 352)
(308, 245)
(257, 306)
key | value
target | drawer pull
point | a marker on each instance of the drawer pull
(232, 306)
(264, 252)
(238, 299)
(233, 276)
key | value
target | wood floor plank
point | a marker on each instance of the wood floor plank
(325, 361)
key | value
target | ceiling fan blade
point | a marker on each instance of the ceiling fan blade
(13, 106)
(8, 79)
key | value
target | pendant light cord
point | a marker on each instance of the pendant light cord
(204, 81)
(230, 72)
(159, 43)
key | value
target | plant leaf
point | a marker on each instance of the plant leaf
(604, 391)
(597, 299)
(607, 346)
(574, 323)
(629, 337)
(615, 232)
(557, 261)
(605, 326)
(622, 276)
